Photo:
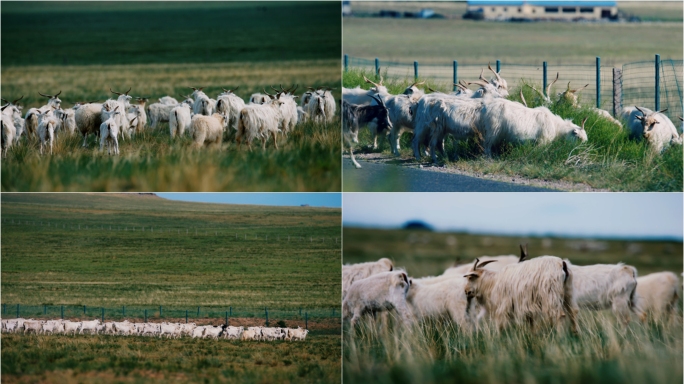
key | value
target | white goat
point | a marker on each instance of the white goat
(655, 127)
(259, 121)
(88, 119)
(230, 105)
(32, 116)
(9, 131)
(353, 272)
(604, 286)
(109, 131)
(509, 121)
(180, 119)
(208, 129)
(383, 291)
(46, 129)
(536, 291)
(658, 295)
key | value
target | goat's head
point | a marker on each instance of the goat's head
(569, 96)
(382, 116)
(499, 82)
(473, 278)
(122, 96)
(54, 101)
(579, 132)
(412, 89)
(377, 87)
(648, 120)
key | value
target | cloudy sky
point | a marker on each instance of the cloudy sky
(332, 200)
(642, 215)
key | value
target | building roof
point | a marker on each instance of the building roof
(577, 3)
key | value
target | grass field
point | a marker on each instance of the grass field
(62, 264)
(71, 257)
(440, 41)
(241, 48)
(437, 352)
(86, 33)
(608, 160)
(106, 359)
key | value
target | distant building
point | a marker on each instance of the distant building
(541, 10)
(346, 8)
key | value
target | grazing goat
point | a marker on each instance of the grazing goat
(353, 272)
(8, 132)
(356, 115)
(230, 105)
(444, 298)
(13, 111)
(160, 112)
(109, 131)
(88, 119)
(203, 104)
(32, 116)
(139, 114)
(46, 129)
(508, 121)
(658, 295)
(537, 291)
(383, 291)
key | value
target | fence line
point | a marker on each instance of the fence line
(239, 234)
(641, 84)
(165, 312)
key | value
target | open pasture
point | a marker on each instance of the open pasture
(608, 160)
(439, 352)
(62, 264)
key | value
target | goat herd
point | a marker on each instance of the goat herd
(169, 330)
(484, 114)
(509, 290)
(204, 118)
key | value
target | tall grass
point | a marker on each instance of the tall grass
(309, 160)
(608, 160)
(437, 352)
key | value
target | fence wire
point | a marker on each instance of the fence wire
(638, 80)
(152, 313)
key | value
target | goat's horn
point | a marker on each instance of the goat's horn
(548, 87)
(482, 264)
(482, 84)
(116, 93)
(680, 118)
(264, 89)
(662, 110)
(482, 78)
(584, 121)
(639, 109)
(294, 89)
(522, 98)
(58, 93)
(7, 102)
(129, 89)
(273, 88)
(193, 88)
(576, 90)
(17, 100)
(430, 89)
(489, 65)
(48, 96)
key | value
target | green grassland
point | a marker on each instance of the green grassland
(164, 52)
(608, 160)
(84, 33)
(438, 352)
(61, 264)
(108, 359)
(439, 41)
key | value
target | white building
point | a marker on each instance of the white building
(541, 10)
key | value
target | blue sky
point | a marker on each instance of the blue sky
(333, 200)
(624, 215)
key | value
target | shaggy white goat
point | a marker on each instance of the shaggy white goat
(658, 295)
(383, 291)
(353, 272)
(259, 121)
(208, 129)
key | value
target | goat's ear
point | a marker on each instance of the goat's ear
(523, 253)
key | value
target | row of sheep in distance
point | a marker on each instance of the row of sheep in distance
(169, 330)
(485, 114)
(205, 119)
(509, 290)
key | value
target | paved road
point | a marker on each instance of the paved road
(378, 177)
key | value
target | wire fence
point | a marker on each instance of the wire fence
(158, 313)
(266, 234)
(637, 85)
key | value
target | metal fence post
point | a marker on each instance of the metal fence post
(346, 62)
(226, 317)
(598, 82)
(657, 82)
(544, 78)
(377, 67)
(306, 320)
(415, 70)
(617, 91)
(498, 66)
(455, 80)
